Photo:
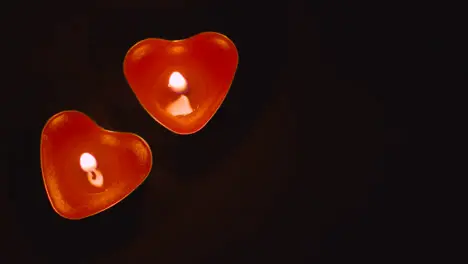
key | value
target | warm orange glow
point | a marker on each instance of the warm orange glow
(87, 169)
(177, 82)
(182, 83)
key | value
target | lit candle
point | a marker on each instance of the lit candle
(182, 83)
(89, 164)
(87, 169)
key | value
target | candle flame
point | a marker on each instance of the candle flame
(87, 162)
(177, 82)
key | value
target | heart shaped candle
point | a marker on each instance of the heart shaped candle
(87, 169)
(182, 83)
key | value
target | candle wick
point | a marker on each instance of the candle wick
(95, 178)
(93, 175)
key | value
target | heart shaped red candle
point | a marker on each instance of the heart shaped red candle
(87, 169)
(182, 83)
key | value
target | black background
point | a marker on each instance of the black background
(289, 170)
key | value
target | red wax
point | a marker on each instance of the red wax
(201, 69)
(87, 169)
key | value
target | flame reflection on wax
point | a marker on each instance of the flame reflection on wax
(88, 164)
(180, 107)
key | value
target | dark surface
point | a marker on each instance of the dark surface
(289, 170)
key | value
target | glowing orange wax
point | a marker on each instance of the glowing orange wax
(182, 83)
(87, 169)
